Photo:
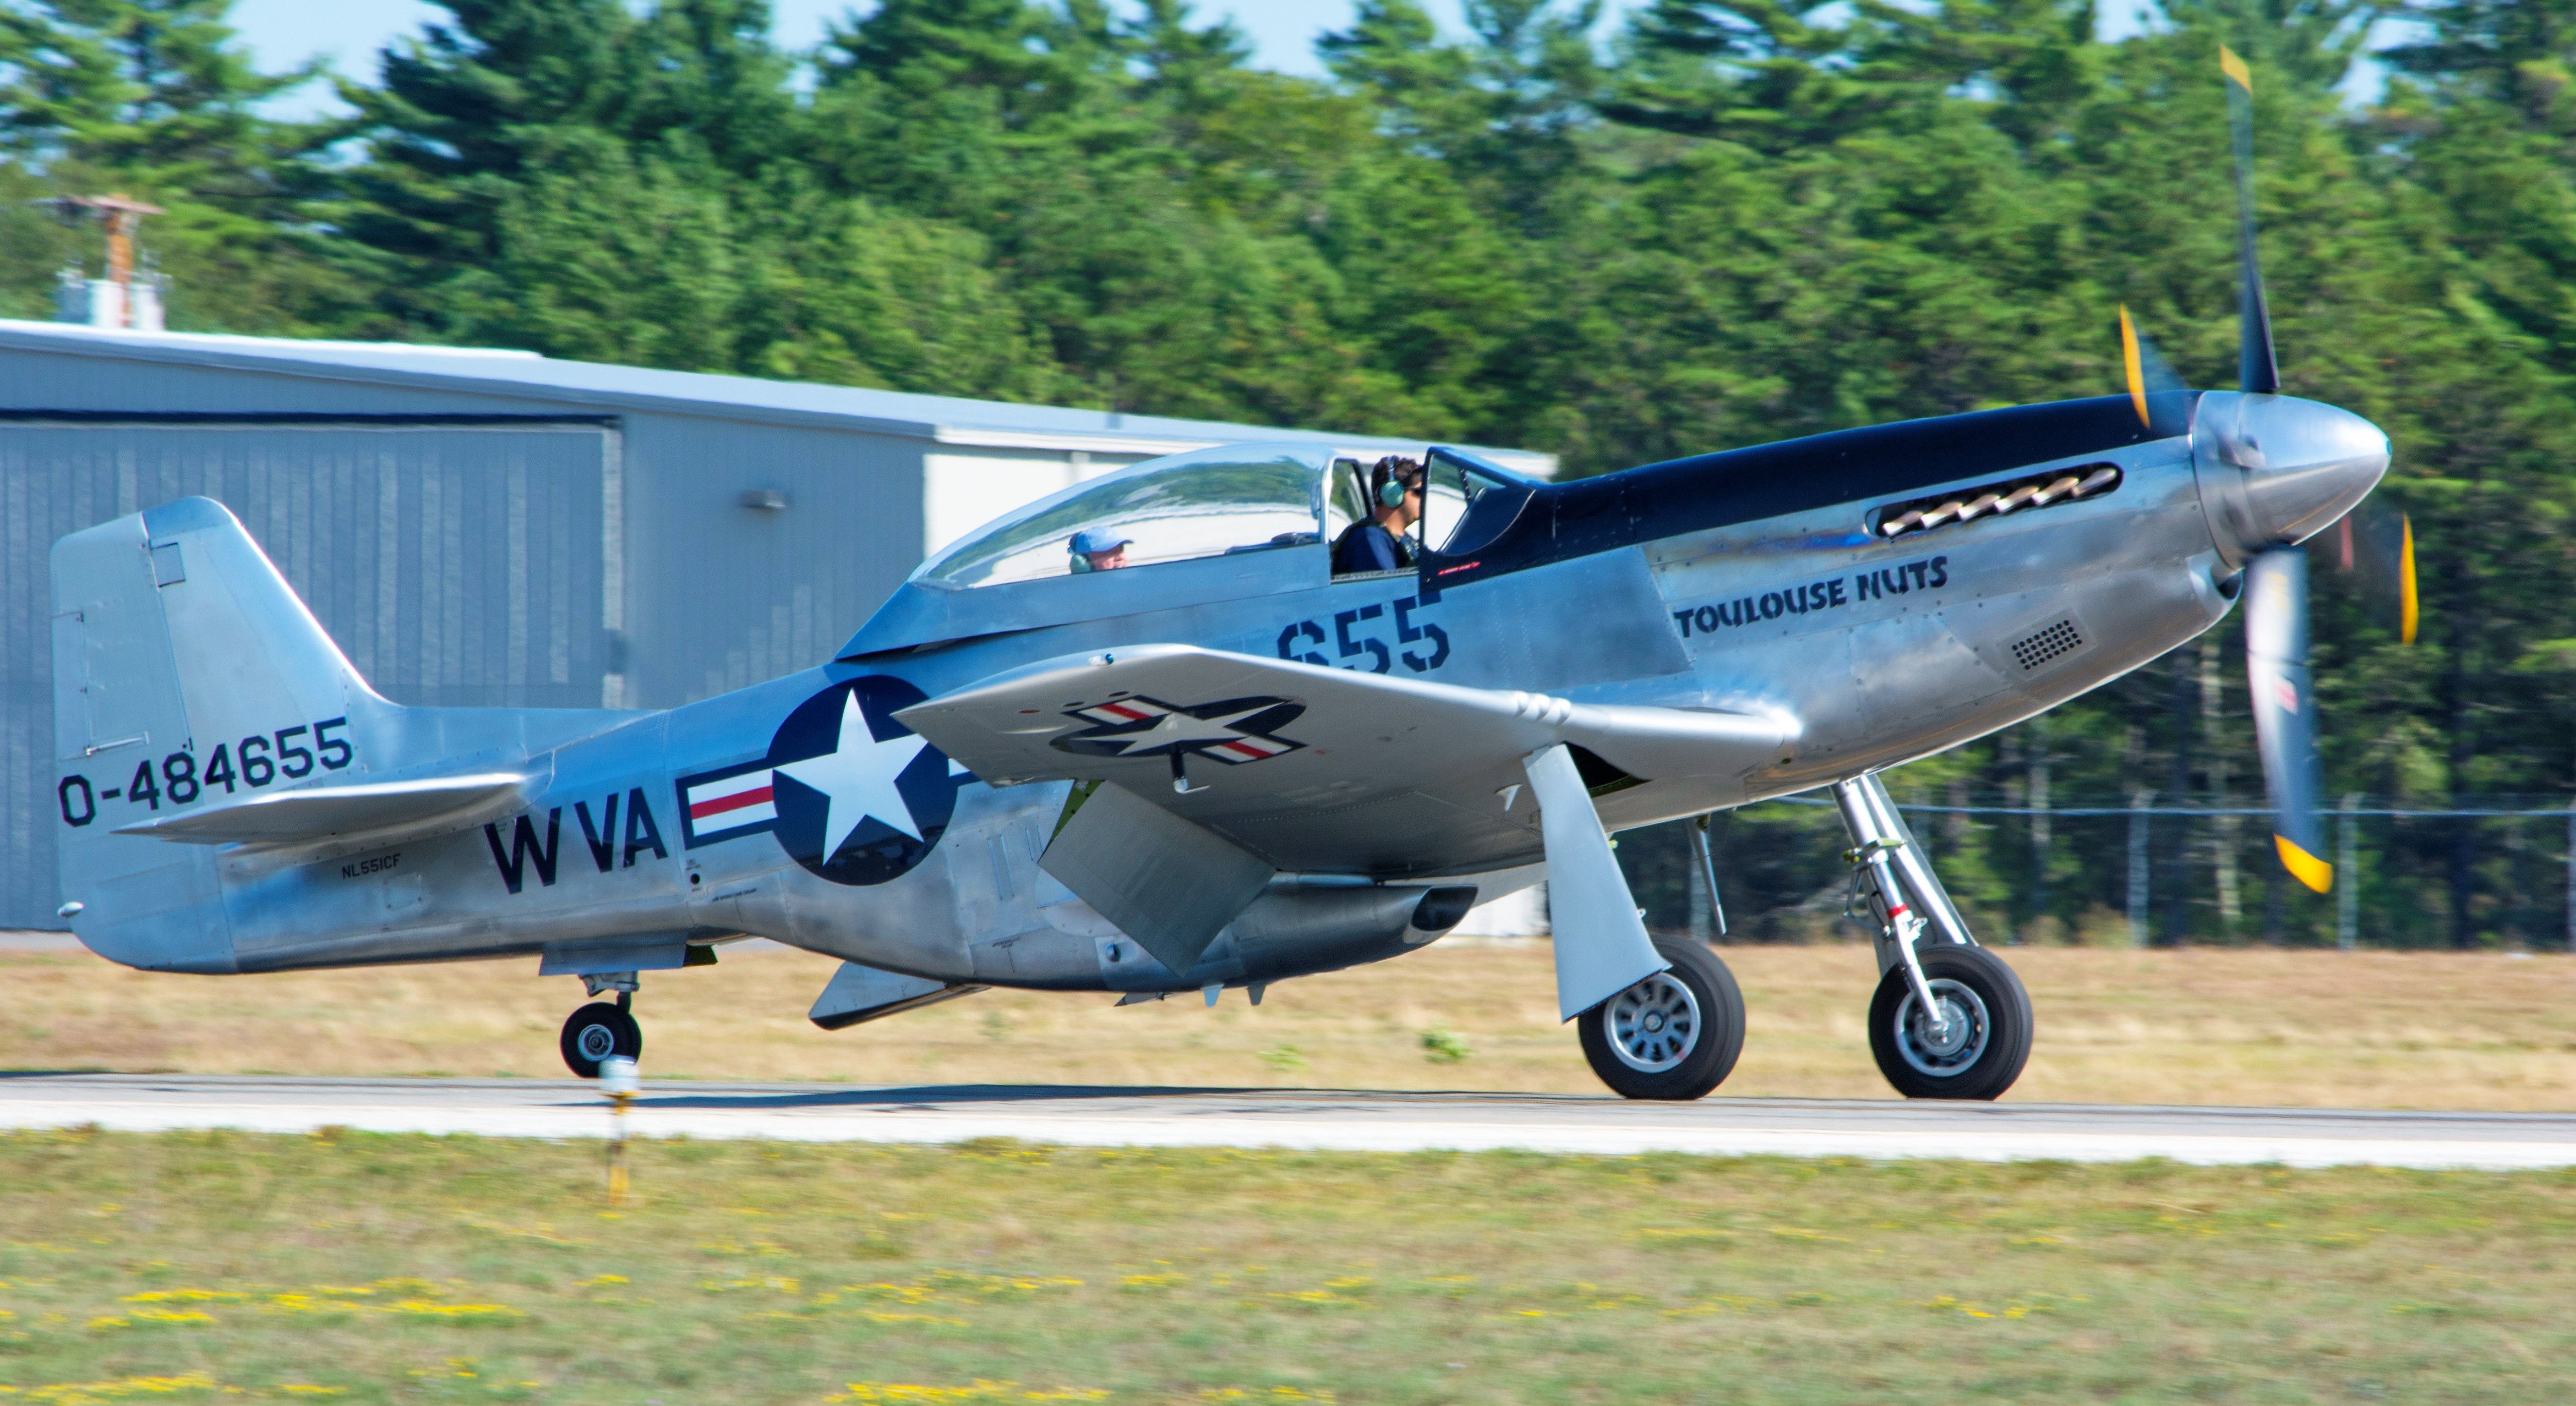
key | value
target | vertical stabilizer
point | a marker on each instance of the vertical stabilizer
(186, 673)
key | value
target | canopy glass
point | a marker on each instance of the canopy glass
(1207, 502)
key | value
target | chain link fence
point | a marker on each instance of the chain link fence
(2488, 871)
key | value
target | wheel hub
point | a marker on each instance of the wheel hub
(1957, 1043)
(596, 1042)
(1654, 1025)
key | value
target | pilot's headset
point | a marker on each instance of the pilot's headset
(1392, 478)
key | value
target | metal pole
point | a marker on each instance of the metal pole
(2040, 836)
(1708, 868)
(1698, 907)
(617, 1151)
(2348, 875)
(2138, 803)
(617, 1079)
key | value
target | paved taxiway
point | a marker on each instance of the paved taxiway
(1301, 1118)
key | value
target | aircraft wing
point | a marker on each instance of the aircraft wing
(1299, 768)
(335, 812)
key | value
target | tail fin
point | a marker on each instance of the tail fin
(186, 672)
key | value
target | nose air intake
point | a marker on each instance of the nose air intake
(2275, 470)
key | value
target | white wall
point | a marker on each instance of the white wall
(1518, 914)
(964, 489)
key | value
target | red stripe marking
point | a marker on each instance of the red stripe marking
(737, 801)
(1124, 711)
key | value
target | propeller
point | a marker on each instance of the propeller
(2276, 580)
(2378, 549)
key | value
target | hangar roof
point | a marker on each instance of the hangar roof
(527, 375)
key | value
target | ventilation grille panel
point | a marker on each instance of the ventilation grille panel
(2057, 640)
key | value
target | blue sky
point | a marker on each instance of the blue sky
(286, 32)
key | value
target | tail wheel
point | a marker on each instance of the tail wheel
(1674, 1035)
(597, 1032)
(1977, 1051)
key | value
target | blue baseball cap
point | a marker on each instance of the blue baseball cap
(1091, 541)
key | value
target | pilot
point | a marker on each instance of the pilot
(1098, 549)
(1378, 542)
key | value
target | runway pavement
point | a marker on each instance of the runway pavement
(1301, 1118)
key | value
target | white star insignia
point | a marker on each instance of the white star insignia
(858, 776)
(1178, 726)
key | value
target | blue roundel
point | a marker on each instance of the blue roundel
(861, 798)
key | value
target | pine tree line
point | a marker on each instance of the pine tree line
(1723, 223)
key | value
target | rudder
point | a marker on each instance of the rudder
(186, 672)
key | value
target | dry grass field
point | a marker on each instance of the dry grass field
(2417, 1030)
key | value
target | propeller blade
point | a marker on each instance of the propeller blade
(2406, 611)
(2133, 360)
(2149, 374)
(2375, 548)
(2258, 372)
(2284, 696)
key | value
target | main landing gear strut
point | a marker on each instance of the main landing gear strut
(601, 1031)
(1949, 1020)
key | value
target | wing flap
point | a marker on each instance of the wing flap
(321, 813)
(1165, 882)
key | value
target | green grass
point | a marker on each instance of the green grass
(384, 1269)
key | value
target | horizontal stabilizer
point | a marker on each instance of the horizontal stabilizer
(316, 814)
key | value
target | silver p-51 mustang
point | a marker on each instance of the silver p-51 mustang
(1215, 761)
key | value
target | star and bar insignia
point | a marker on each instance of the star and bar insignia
(1233, 731)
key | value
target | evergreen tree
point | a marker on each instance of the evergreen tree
(157, 100)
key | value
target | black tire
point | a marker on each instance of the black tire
(1715, 1039)
(597, 1032)
(1993, 1048)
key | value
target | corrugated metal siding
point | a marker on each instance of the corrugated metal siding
(457, 565)
(723, 596)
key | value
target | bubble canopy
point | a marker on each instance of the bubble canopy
(1204, 503)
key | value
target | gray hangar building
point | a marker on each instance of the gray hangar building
(498, 528)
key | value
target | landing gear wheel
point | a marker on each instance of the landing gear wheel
(596, 1032)
(1674, 1035)
(1987, 1039)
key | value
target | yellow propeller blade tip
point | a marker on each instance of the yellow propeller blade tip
(2235, 68)
(2406, 580)
(2129, 359)
(2303, 866)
